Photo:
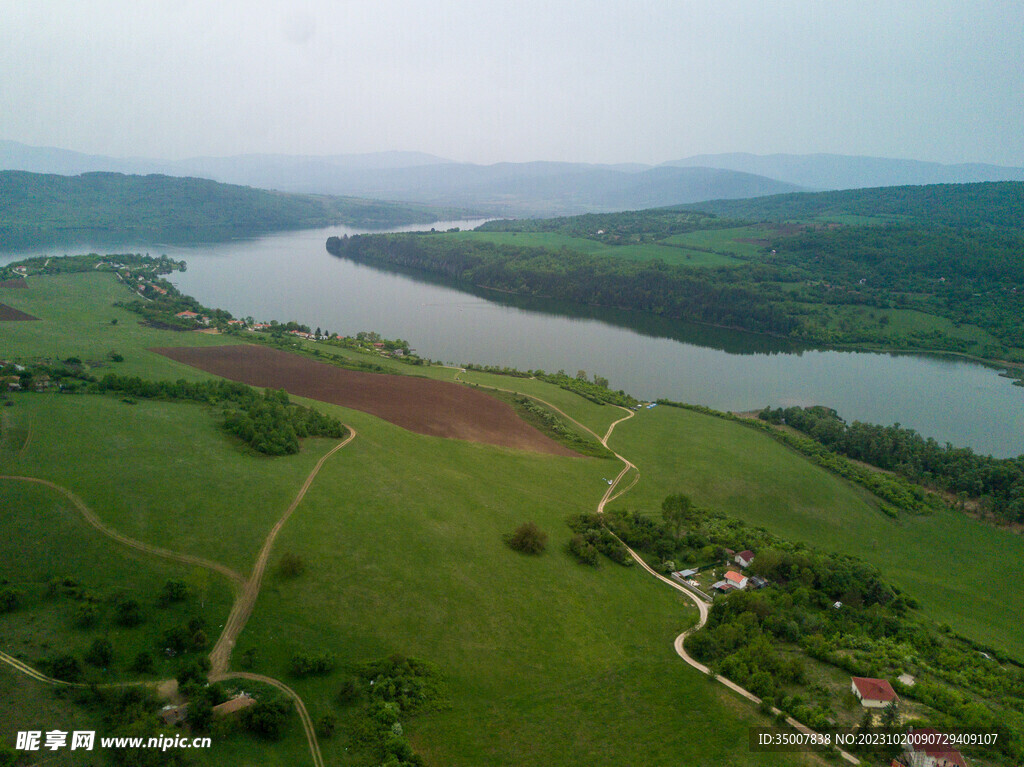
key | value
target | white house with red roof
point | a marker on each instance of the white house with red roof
(744, 558)
(927, 747)
(873, 693)
(736, 580)
(187, 315)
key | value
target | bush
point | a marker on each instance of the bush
(65, 667)
(311, 664)
(291, 565)
(583, 550)
(86, 615)
(172, 591)
(325, 725)
(129, 613)
(143, 663)
(10, 598)
(527, 538)
(100, 653)
(267, 717)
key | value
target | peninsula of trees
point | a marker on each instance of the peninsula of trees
(934, 268)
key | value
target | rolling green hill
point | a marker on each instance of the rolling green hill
(43, 209)
(542, 661)
(933, 268)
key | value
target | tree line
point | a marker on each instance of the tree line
(996, 483)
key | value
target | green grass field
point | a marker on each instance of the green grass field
(75, 313)
(632, 252)
(949, 562)
(545, 661)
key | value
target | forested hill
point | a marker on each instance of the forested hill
(935, 268)
(997, 204)
(42, 209)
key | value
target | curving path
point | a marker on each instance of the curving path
(307, 720)
(246, 592)
(220, 657)
(702, 605)
(90, 517)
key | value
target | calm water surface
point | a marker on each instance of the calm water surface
(291, 276)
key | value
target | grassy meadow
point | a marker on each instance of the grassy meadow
(544, 661)
(949, 562)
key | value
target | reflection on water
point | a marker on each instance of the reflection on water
(291, 276)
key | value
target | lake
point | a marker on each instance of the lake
(290, 276)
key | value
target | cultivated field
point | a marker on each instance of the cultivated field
(422, 405)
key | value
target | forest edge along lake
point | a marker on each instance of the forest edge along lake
(291, 276)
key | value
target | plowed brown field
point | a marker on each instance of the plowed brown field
(422, 405)
(10, 314)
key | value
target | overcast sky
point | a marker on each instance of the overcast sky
(488, 80)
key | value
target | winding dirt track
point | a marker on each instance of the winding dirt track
(220, 658)
(246, 592)
(702, 605)
(87, 513)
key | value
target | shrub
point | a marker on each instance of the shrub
(143, 663)
(10, 598)
(291, 565)
(527, 538)
(267, 717)
(129, 613)
(583, 550)
(311, 664)
(172, 591)
(100, 653)
(325, 725)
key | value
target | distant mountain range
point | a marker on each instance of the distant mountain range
(504, 189)
(522, 189)
(824, 172)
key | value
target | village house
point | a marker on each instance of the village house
(187, 315)
(736, 580)
(11, 383)
(873, 693)
(744, 558)
(237, 703)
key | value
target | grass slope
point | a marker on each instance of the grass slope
(953, 565)
(545, 661)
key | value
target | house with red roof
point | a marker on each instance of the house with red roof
(927, 747)
(873, 693)
(187, 315)
(744, 558)
(736, 580)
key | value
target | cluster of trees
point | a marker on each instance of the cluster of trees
(548, 422)
(594, 389)
(591, 538)
(268, 422)
(304, 664)
(387, 692)
(997, 483)
(720, 296)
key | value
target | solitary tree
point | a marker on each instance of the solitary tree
(677, 511)
(527, 538)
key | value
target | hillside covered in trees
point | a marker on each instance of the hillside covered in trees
(44, 209)
(935, 268)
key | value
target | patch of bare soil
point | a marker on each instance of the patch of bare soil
(421, 405)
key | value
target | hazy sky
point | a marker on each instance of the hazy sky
(489, 80)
